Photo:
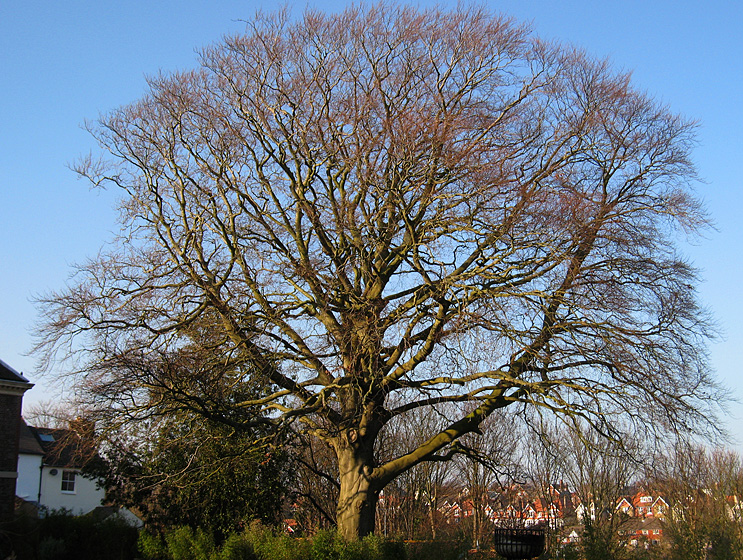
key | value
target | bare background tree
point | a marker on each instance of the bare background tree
(429, 204)
(600, 471)
(411, 501)
(316, 486)
(703, 488)
(486, 462)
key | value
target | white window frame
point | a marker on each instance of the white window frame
(69, 479)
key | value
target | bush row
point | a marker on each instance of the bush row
(62, 536)
(258, 542)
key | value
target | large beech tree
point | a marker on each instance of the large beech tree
(383, 210)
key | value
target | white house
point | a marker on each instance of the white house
(50, 462)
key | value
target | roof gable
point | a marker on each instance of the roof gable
(659, 501)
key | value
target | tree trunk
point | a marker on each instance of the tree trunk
(357, 502)
(432, 517)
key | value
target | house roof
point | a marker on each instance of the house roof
(63, 448)
(12, 382)
(7, 373)
(639, 524)
(660, 499)
(27, 442)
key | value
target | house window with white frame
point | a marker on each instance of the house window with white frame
(68, 482)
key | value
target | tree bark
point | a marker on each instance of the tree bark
(357, 502)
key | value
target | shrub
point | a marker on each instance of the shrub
(52, 549)
(113, 539)
(327, 545)
(62, 536)
(19, 538)
(258, 542)
(237, 547)
(440, 550)
(183, 543)
(323, 547)
(384, 548)
(269, 544)
(151, 546)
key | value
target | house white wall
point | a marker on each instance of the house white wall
(29, 471)
(32, 478)
(86, 496)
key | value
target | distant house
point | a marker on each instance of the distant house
(643, 532)
(50, 463)
(572, 535)
(660, 508)
(540, 511)
(625, 506)
(12, 387)
(643, 505)
(735, 508)
(585, 511)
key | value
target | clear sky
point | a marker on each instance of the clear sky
(64, 62)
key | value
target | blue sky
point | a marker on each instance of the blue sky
(64, 62)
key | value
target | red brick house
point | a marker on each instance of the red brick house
(642, 502)
(12, 387)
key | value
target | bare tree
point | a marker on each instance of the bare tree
(544, 464)
(391, 201)
(316, 485)
(601, 471)
(703, 489)
(50, 414)
(411, 501)
(486, 462)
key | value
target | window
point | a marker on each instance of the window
(68, 482)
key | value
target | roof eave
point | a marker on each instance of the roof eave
(14, 387)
